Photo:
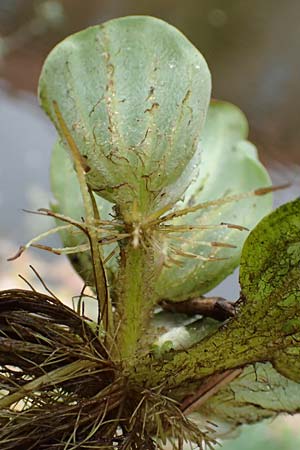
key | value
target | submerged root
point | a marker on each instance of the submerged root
(59, 389)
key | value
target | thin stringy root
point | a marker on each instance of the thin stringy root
(60, 390)
(143, 234)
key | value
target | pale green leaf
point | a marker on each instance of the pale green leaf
(229, 166)
(134, 94)
(259, 393)
(68, 202)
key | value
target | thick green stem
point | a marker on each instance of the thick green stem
(135, 297)
(231, 347)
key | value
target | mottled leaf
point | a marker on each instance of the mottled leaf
(270, 282)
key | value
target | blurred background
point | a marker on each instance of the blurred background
(252, 49)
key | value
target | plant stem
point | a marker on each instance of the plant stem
(135, 297)
(231, 347)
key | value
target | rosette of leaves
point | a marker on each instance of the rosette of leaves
(177, 222)
(107, 90)
(129, 100)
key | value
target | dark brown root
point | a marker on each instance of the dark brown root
(60, 390)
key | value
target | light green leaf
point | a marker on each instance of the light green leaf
(259, 393)
(68, 202)
(134, 94)
(229, 166)
(277, 435)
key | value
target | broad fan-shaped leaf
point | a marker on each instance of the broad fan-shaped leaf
(229, 166)
(134, 94)
(260, 392)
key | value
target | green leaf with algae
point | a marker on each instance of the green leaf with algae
(134, 93)
(267, 325)
(270, 282)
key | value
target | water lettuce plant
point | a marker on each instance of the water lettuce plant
(155, 190)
